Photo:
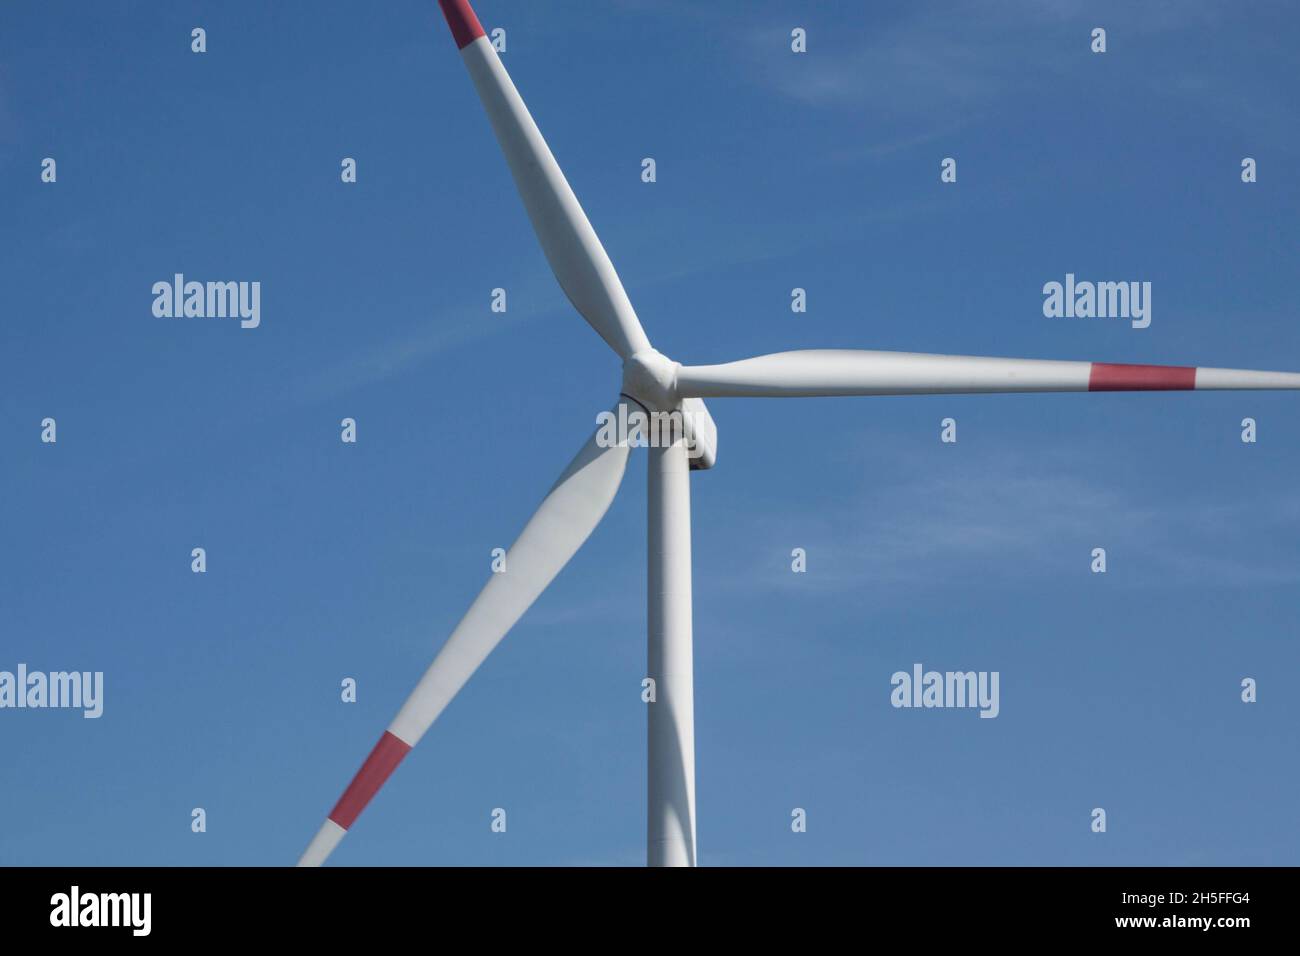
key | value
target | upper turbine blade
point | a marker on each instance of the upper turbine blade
(567, 516)
(572, 248)
(854, 372)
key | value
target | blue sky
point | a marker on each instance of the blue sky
(819, 171)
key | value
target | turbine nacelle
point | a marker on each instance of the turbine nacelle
(701, 434)
(650, 380)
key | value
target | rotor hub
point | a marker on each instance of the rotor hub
(650, 377)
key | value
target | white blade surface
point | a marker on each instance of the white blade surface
(552, 536)
(572, 248)
(853, 372)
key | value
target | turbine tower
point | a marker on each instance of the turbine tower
(655, 386)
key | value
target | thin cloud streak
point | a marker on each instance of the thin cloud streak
(1005, 518)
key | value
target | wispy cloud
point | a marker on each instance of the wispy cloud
(925, 71)
(376, 362)
(932, 58)
(1012, 517)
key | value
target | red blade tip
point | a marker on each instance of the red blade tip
(465, 27)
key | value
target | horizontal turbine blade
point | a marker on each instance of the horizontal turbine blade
(854, 372)
(572, 248)
(552, 536)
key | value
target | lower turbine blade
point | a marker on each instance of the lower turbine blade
(552, 536)
(854, 372)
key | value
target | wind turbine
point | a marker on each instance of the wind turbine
(653, 383)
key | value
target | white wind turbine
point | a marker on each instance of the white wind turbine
(654, 383)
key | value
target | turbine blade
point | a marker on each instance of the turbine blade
(565, 519)
(854, 372)
(572, 248)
